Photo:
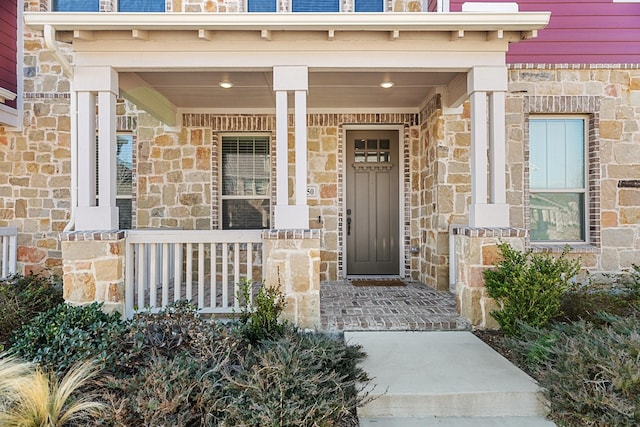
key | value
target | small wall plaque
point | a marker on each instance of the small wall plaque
(629, 183)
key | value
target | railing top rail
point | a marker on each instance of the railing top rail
(194, 236)
(8, 231)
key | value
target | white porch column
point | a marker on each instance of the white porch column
(291, 79)
(103, 81)
(488, 209)
(86, 149)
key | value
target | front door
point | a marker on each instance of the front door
(371, 227)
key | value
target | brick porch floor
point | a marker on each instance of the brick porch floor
(415, 307)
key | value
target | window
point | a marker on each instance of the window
(76, 5)
(245, 182)
(315, 6)
(261, 5)
(557, 193)
(369, 6)
(141, 6)
(124, 179)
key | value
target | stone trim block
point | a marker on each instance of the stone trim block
(488, 231)
(74, 236)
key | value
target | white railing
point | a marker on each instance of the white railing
(8, 251)
(206, 267)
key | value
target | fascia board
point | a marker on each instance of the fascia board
(453, 21)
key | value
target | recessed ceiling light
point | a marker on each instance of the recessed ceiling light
(386, 85)
(225, 84)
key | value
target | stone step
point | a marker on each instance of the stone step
(443, 374)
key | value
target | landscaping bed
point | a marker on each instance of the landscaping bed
(579, 340)
(176, 368)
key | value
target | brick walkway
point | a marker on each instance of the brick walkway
(415, 307)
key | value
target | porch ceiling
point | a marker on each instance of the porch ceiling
(327, 89)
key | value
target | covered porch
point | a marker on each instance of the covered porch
(303, 82)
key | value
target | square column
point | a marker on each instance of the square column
(291, 79)
(487, 86)
(99, 83)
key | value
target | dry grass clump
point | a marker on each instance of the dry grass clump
(31, 397)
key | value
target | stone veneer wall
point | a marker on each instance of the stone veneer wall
(610, 97)
(177, 173)
(94, 268)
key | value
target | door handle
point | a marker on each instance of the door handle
(349, 226)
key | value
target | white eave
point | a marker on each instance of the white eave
(525, 22)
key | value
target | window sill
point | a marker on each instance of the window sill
(574, 248)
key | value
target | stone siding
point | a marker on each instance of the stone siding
(175, 172)
(94, 269)
(610, 98)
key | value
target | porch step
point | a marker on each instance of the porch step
(443, 377)
(457, 422)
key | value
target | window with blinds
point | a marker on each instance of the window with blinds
(246, 189)
(315, 6)
(369, 6)
(76, 5)
(141, 6)
(262, 5)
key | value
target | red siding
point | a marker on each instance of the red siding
(579, 32)
(8, 47)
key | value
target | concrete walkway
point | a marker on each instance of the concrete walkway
(444, 379)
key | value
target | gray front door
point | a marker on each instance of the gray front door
(371, 227)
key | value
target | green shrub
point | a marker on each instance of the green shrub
(528, 287)
(22, 298)
(260, 314)
(590, 372)
(66, 334)
(297, 380)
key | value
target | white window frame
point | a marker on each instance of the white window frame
(222, 196)
(584, 190)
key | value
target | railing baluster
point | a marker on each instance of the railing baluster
(200, 275)
(129, 280)
(225, 275)
(236, 273)
(141, 252)
(165, 274)
(177, 266)
(250, 270)
(212, 270)
(153, 273)
(5, 256)
(188, 285)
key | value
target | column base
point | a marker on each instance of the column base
(96, 218)
(489, 215)
(291, 217)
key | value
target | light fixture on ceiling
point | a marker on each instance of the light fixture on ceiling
(225, 84)
(386, 85)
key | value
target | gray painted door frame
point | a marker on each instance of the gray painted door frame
(401, 196)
